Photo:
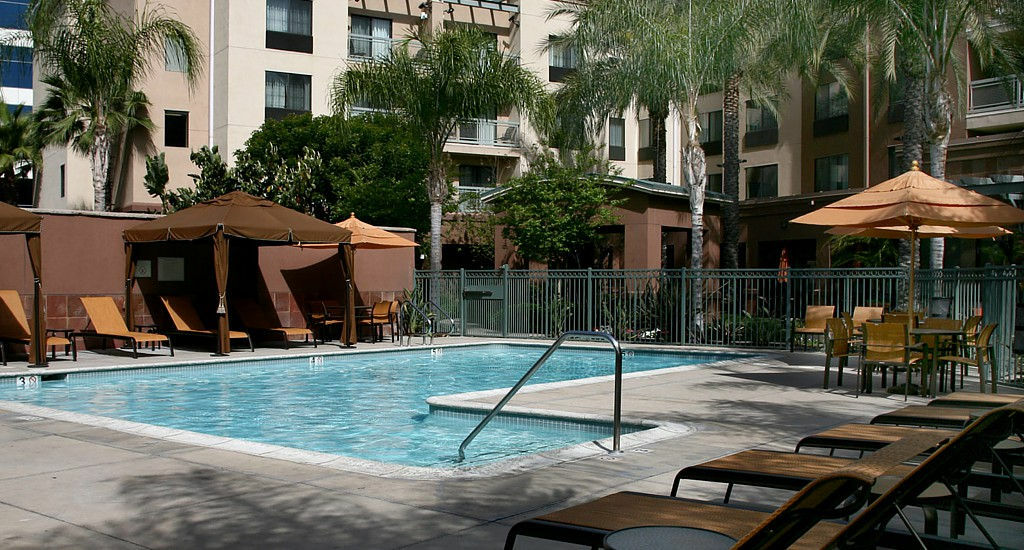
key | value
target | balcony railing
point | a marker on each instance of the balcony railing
(996, 94)
(496, 133)
(365, 48)
(469, 197)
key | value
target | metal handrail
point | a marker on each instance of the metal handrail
(617, 414)
(427, 320)
(441, 312)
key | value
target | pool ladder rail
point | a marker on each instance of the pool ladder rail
(617, 414)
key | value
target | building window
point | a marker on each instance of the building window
(715, 182)
(287, 94)
(646, 140)
(16, 67)
(831, 110)
(174, 57)
(832, 173)
(63, 183)
(762, 126)
(12, 14)
(711, 132)
(562, 61)
(763, 181)
(616, 139)
(895, 162)
(370, 38)
(176, 128)
(290, 25)
(471, 175)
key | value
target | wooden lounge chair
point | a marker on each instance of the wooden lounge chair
(974, 400)
(796, 524)
(14, 328)
(107, 323)
(186, 320)
(930, 417)
(860, 437)
(257, 318)
(814, 323)
(837, 345)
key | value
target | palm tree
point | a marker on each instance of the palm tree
(19, 150)
(457, 75)
(93, 60)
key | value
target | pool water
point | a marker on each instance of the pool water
(370, 406)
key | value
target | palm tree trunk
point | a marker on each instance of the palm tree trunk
(695, 172)
(914, 136)
(731, 172)
(940, 116)
(658, 116)
(100, 164)
(437, 191)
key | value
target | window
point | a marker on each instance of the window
(370, 38)
(645, 140)
(562, 61)
(12, 14)
(832, 173)
(711, 132)
(174, 57)
(715, 182)
(476, 176)
(895, 162)
(831, 110)
(63, 183)
(616, 139)
(763, 181)
(290, 25)
(176, 128)
(287, 94)
(762, 127)
(16, 68)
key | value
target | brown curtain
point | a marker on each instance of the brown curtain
(129, 283)
(347, 255)
(37, 356)
(220, 268)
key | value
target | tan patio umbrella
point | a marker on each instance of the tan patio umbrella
(366, 235)
(916, 205)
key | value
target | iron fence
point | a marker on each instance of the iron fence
(749, 308)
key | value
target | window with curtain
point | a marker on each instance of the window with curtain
(830, 101)
(290, 25)
(370, 37)
(174, 57)
(617, 139)
(710, 127)
(759, 118)
(645, 133)
(832, 173)
(562, 60)
(763, 181)
(287, 93)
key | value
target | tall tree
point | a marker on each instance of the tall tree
(93, 60)
(458, 74)
(19, 150)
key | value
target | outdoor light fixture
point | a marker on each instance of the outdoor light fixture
(450, 10)
(424, 10)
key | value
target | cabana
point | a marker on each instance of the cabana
(239, 217)
(14, 220)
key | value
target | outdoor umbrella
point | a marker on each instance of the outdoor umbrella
(365, 235)
(915, 205)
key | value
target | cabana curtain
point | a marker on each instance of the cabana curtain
(14, 220)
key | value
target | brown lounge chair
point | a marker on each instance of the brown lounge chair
(975, 400)
(796, 524)
(814, 323)
(14, 328)
(861, 437)
(107, 323)
(257, 318)
(953, 418)
(186, 320)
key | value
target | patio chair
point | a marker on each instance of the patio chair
(324, 315)
(14, 328)
(106, 320)
(972, 326)
(885, 345)
(379, 316)
(901, 318)
(394, 310)
(837, 345)
(256, 317)
(796, 524)
(814, 323)
(977, 355)
(186, 320)
(863, 314)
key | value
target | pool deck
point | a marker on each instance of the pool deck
(69, 485)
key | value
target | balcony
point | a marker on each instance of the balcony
(493, 133)
(469, 197)
(996, 94)
(366, 48)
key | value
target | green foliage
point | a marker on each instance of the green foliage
(849, 251)
(19, 150)
(156, 178)
(552, 212)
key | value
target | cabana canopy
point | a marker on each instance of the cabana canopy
(238, 215)
(14, 220)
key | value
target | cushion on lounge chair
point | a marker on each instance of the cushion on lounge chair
(106, 320)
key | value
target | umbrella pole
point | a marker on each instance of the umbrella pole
(910, 285)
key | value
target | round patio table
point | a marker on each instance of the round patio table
(657, 537)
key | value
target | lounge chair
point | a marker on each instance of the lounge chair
(257, 318)
(837, 345)
(860, 437)
(814, 323)
(14, 328)
(186, 320)
(107, 323)
(796, 524)
(930, 417)
(974, 400)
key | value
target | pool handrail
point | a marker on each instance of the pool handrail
(443, 315)
(428, 322)
(617, 414)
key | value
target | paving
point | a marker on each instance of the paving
(70, 485)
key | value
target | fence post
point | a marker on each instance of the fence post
(504, 301)
(462, 301)
(590, 299)
(682, 306)
(789, 307)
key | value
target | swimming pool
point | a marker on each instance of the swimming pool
(370, 406)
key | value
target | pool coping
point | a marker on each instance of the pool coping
(461, 402)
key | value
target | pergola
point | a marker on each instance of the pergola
(240, 216)
(14, 220)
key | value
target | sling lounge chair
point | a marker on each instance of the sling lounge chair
(953, 418)
(107, 323)
(861, 437)
(186, 320)
(14, 328)
(257, 318)
(814, 323)
(796, 524)
(974, 400)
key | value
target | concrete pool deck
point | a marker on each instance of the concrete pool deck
(68, 485)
